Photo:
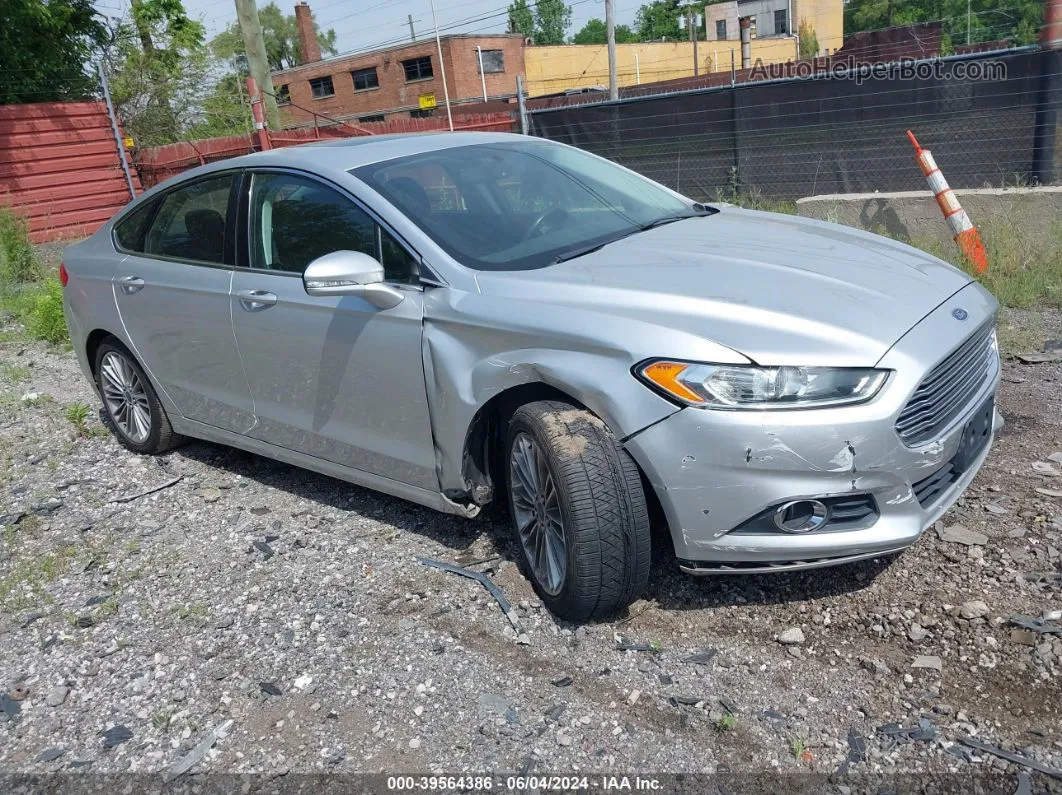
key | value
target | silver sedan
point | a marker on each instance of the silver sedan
(458, 319)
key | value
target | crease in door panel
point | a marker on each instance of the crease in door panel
(239, 354)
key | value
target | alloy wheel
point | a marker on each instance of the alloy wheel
(537, 512)
(125, 397)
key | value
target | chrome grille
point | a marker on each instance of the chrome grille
(948, 389)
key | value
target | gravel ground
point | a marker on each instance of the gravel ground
(293, 606)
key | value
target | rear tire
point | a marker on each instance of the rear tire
(130, 403)
(569, 480)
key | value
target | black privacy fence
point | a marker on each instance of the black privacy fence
(844, 133)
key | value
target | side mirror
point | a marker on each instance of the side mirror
(350, 273)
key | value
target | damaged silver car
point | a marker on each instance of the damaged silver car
(460, 319)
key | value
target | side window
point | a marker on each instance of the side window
(399, 265)
(129, 232)
(191, 222)
(295, 220)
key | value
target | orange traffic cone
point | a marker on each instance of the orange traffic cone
(964, 232)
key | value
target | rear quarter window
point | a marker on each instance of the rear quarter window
(129, 232)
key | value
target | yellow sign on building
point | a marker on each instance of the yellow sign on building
(427, 101)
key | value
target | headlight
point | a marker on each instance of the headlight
(729, 386)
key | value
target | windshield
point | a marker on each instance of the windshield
(523, 205)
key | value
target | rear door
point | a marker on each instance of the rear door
(172, 291)
(332, 377)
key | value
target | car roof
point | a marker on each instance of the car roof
(347, 153)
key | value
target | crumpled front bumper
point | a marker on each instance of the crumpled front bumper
(714, 470)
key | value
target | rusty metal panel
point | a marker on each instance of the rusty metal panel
(59, 167)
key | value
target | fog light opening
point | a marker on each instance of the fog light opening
(801, 516)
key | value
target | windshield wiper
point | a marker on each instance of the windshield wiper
(667, 219)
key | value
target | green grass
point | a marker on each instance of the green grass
(20, 587)
(18, 260)
(726, 723)
(26, 292)
(15, 373)
(1024, 271)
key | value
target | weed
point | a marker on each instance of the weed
(161, 720)
(44, 317)
(726, 723)
(77, 414)
(21, 587)
(798, 747)
(35, 399)
(15, 373)
(18, 260)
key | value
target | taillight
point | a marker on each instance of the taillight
(64, 277)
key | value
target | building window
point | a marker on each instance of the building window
(371, 119)
(720, 29)
(322, 87)
(418, 68)
(364, 79)
(283, 95)
(781, 22)
(493, 61)
(421, 113)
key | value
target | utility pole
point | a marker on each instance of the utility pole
(251, 27)
(968, 21)
(610, 37)
(442, 67)
(690, 19)
(412, 33)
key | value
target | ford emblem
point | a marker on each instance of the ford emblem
(959, 314)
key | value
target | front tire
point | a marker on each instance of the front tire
(577, 504)
(134, 413)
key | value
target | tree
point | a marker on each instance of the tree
(594, 32)
(988, 20)
(158, 65)
(809, 40)
(44, 46)
(552, 20)
(521, 19)
(660, 20)
(281, 36)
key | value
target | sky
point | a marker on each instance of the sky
(365, 24)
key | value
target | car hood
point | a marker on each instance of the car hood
(778, 289)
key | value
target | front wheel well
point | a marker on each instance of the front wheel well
(480, 462)
(482, 467)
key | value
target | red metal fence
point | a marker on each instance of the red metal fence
(162, 162)
(59, 167)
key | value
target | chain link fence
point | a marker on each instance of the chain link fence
(842, 132)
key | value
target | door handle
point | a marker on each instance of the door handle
(254, 300)
(130, 284)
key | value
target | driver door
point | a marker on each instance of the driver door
(331, 377)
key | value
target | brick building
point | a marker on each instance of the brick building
(402, 81)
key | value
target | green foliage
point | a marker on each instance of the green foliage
(552, 20)
(809, 40)
(989, 20)
(660, 20)
(521, 19)
(45, 319)
(281, 37)
(44, 45)
(594, 32)
(727, 722)
(18, 261)
(77, 414)
(157, 68)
